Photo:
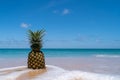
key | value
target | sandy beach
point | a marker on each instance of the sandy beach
(56, 67)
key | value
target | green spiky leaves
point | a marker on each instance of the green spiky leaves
(36, 38)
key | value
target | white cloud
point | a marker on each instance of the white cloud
(62, 12)
(54, 3)
(66, 11)
(25, 25)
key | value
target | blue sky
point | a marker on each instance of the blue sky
(68, 23)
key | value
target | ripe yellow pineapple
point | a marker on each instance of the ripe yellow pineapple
(36, 57)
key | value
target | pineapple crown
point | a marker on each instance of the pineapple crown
(36, 38)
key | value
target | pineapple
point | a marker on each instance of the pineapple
(36, 57)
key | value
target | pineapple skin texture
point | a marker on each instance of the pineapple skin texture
(36, 60)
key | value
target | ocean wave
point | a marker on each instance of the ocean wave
(107, 56)
(57, 73)
(77, 75)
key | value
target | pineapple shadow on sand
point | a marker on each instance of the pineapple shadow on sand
(36, 58)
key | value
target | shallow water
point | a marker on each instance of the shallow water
(75, 64)
(97, 65)
(53, 73)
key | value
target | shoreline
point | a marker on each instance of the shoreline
(51, 73)
(62, 68)
(88, 64)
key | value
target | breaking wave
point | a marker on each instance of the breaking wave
(108, 56)
(57, 73)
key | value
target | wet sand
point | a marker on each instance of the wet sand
(68, 63)
(65, 63)
(31, 74)
(97, 65)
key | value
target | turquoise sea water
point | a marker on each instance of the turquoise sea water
(22, 53)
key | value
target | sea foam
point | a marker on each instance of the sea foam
(56, 73)
(108, 56)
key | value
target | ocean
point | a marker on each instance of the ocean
(92, 64)
(22, 53)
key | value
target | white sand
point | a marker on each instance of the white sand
(51, 73)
